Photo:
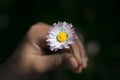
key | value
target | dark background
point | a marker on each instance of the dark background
(97, 20)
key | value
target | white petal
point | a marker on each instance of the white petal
(66, 46)
(51, 40)
(56, 30)
(58, 45)
(51, 36)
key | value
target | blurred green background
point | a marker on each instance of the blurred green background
(97, 20)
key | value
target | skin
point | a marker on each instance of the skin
(32, 57)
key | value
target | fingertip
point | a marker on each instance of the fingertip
(74, 65)
(84, 64)
(71, 62)
(85, 61)
(78, 70)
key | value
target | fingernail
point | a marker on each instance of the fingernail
(84, 63)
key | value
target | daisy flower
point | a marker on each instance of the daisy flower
(60, 36)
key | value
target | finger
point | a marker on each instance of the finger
(82, 52)
(76, 53)
(78, 70)
(49, 62)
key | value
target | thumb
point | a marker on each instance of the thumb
(50, 62)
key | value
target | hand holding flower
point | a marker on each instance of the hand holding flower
(31, 57)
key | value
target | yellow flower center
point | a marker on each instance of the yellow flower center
(62, 37)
